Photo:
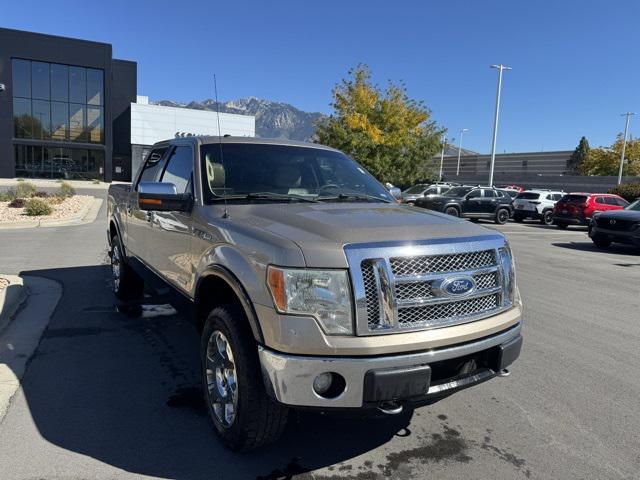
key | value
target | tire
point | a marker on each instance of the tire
(561, 226)
(502, 216)
(411, 204)
(547, 218)
(453, 211)
(601, 242)
(127, 284)
(256, 419)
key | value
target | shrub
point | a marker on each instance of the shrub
(8, 196)
(17, 203)
(25, 189)
(41, 194)
(36, 207)
(628, 191)
(65, 190)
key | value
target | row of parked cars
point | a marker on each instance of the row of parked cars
(609, 218)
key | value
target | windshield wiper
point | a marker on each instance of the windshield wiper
(265, 196)
(354, 196)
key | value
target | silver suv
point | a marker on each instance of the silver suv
(536, 204)
(310, 286)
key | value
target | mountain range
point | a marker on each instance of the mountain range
(273, 119)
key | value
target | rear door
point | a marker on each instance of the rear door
(488, 202)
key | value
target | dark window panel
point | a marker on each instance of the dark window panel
(95, 87)
(77, 85)
(95, 124)
(21, 78)
(95, 167)
(41, 119)
(59, 82)
(22, 119)
(40, 83)
(77, 122)
(59, 121)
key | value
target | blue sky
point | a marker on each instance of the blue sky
(576, 63)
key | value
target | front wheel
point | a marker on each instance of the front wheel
(453, 211)
(502, 216)
(127, 285)
(243, 415)
(547, 218)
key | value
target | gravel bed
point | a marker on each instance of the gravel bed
(67, 209)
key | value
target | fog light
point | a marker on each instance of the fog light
(322, 383)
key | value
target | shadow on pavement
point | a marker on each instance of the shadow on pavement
(125, 390)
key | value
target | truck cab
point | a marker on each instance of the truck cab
(311, 287)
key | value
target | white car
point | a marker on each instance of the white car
(536, 204)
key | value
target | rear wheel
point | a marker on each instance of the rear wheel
(502, 216)
(127, 284)
(243, 415)
(453, 211)
(547, 217)
(601, 242)
(561, 226)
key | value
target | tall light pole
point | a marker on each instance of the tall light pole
(500, 68)
(444, 143)
(462, 130)
(624, 144)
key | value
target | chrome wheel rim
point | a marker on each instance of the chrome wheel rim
(222, 385)
(503, 216)
(548, 218)
(452, 211)
(115, 267)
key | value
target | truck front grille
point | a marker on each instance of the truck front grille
(412, 295)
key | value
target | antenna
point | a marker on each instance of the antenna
(224, 181)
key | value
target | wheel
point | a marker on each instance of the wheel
(411, 204)
(502, 216)
(601, 242)
(474, 220)
(547, 217)
(453, 211)
(244, 416)
(561, 226)
(127, 284)
(518, 218)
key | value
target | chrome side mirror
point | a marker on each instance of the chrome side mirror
(163, 197)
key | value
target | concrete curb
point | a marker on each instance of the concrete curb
(20, 339)
(11, 298)
(87, 214)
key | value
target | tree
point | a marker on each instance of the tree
(386, 131)
(606, 161)
(578, 156)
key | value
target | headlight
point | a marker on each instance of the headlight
(322, 294)
(509, 276)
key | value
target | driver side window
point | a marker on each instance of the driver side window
(153, 166)
(474, 194)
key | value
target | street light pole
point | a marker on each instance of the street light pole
(624, 144)
(500, 68)
(444, 142)
(462, 130)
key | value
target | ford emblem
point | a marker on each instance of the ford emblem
(459, 285)
(612, 222)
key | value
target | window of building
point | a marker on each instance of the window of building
(58, 162)
(95, 87)
(21, 81)
(77, 85)
(95, 124)
(41, 119)
(59, 82)
(40, 83)
(22, 120)
(77, 122)
(59, 121)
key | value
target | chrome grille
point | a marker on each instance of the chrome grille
(406, 266)
(406, 291)
(371, 292)
(486, 280)
(439, 314)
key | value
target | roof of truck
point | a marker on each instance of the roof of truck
(209, 139)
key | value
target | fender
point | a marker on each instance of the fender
(231, 280)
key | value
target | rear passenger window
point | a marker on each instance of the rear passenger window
(179, 169)
(621, 202)
(153, 166)
(557, 196)
(600, 200)
(474, 194)
(489, 194)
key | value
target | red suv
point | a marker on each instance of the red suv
(578, 208)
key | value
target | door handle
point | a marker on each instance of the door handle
(149, 216)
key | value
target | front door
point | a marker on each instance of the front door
(471, 203)
(488, 202)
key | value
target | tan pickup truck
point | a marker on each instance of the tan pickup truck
(311, 286)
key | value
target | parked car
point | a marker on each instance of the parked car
(517, 188)
(537, 205)
(512, 193)
(578, 208)
(309, 286)
(410, 195)
(616, 226)
(473, 202)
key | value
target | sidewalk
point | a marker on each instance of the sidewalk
(87, 214)
(12, 294)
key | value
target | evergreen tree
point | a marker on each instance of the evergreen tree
(578, 156)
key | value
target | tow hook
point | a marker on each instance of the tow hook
(390, 408)
(504, 373)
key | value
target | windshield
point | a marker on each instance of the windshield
(458, 192)
(573, 199)
(634, 206)
(416, 189)
(289, 172)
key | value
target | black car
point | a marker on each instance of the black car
(471, 202)
(616, 226)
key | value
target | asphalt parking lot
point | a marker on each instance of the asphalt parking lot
(109, 395)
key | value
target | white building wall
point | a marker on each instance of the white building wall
(154, 123)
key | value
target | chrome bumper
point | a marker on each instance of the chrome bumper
(289, 378)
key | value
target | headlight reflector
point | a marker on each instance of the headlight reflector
(508, 274)
(323, 294)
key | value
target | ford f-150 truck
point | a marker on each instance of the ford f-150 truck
(310, 286)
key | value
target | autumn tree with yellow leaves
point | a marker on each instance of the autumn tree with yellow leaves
(606, 161)
(390, 134)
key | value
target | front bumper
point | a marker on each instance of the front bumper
(521, 212)
(620, 236)
(371, 381)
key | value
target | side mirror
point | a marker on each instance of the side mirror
(162, 197)
(396, 192)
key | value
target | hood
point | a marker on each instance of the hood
(632, 215)
(322, 230)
